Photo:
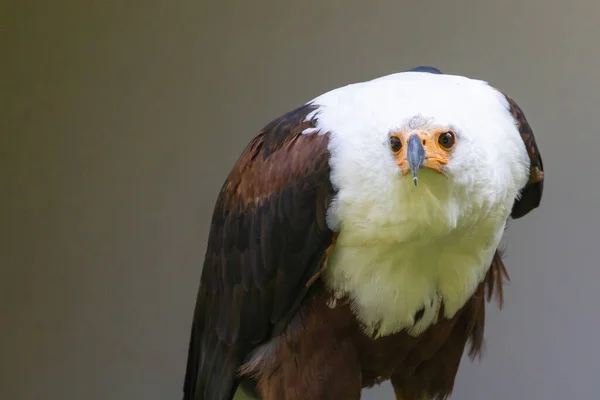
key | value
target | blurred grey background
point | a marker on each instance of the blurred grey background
(119, 121)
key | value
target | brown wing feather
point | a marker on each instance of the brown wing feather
(531, 195)
(268, 237)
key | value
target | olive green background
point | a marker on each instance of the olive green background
(119, 121)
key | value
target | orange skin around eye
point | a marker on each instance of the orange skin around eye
(436, 156)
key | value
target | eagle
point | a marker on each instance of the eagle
(356, 240)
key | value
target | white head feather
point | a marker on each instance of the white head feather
(400, 245)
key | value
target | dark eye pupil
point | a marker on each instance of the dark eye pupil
(395, 143)
(447, 139)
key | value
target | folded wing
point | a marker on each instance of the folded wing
(268, 237)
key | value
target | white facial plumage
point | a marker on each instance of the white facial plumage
(401, 247)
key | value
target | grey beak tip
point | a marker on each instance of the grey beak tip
(415, 154)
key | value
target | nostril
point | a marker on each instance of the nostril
(424, 141)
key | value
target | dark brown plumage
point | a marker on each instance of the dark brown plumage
(268, 237)
(268, 243)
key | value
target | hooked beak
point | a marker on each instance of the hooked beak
(415, 155)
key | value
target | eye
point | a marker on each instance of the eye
(395, 144)
(446, 140)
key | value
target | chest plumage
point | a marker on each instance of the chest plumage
(398, 281)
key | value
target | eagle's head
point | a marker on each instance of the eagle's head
(421, 150)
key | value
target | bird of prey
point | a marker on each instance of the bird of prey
(356, 241)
